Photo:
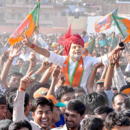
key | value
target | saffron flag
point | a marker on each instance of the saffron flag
(28, 26)
(123, 25)
(105, 22)
(90, 46)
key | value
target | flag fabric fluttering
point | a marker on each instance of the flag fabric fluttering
(28, 26)
(123, 25)
(105, 22)
(90, 46)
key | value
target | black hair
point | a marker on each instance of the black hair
(103, 34)
(42, 101)
(114, 88)
(2, 100)
(20, 124)
(13, 74)
(103, 109)
(11, 101)
(92, 123)
(84, 32)
(124, 87)
(82, 98)
(9, 91)
(105, 96)
(93, 101)
(61, 91)
(116, 119)
(35, 87)
(126, 113)
(4, 124)
(126, 104)
(121, 94)
(14, 69)
(79, 90)
(20, 59)
(76, 105)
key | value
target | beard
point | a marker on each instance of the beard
(75, 57)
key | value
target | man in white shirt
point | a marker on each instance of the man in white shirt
(84, 37)
(75, 67)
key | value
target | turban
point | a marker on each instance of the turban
(68, 39)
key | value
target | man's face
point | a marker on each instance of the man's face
(76, 51)
(65, 99)
(72, 119)
(102, 116)
(43, 116)
(118, 101)
(14, 81)
(56, 114)
(83, 35)
(100, 87)
(115, 91)
(19, 62)
(2, 111)
(121, 128)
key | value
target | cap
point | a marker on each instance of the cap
(55, 102)
(100, 81)
(54, 44)
(40, 92)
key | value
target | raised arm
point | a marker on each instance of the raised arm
(54, 80)
(33, 61)
(104, 72)
(47, 73)
(14, 52)
(39, 50)
(4, 57)
(108, 79)
(18, 111)
(90, 82)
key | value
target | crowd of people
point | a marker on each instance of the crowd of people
(62, 86)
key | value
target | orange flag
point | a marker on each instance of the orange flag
(105, 22)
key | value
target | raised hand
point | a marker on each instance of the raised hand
(5, 56)
(33, 59)
(26, 41)
(46, 64)
(115, 50)
(56, 72)
(26, 81)
(14, 51)
(61, 79)
(115, 58)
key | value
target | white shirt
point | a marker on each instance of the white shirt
(88, 63)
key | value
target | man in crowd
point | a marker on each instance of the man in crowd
(74, 113)
(79, 68)
(118, 100)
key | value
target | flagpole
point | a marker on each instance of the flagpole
(112, 39)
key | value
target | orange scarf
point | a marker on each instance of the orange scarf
(76, 78)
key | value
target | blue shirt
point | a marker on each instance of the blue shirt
(61, 121)
(103, 42)
(85, 39)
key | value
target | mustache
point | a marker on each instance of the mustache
(69, 121)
